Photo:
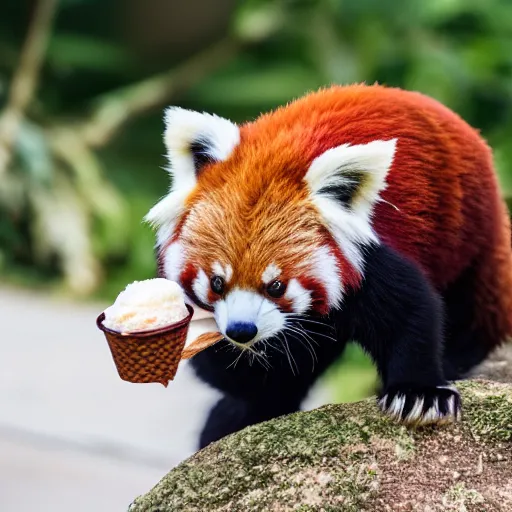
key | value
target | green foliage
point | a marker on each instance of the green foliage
(71, 205)
(352, 378)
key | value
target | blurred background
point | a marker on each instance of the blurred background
(82, 88)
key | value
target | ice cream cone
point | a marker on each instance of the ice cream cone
(148, 356)
(201, 343)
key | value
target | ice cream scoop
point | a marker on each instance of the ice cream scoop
(146, 305)
(146, 329)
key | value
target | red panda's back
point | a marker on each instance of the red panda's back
(442, 203)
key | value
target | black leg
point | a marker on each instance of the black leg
(230, 415)
(398, 320)
(258, 391)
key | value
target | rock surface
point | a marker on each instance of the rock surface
(498, 366)
(349, 457)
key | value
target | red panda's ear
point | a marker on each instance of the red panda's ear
(192, 140)
(352, 175)
(345, 183)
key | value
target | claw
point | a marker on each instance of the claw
(418, 405)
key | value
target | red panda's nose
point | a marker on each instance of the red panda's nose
(241, 332)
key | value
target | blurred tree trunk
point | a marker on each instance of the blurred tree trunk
(24, 82)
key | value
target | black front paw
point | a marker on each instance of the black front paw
(421, 405)
(228, 415)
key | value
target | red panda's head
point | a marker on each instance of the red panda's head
(266, 221)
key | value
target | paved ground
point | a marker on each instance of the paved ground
(73, 436)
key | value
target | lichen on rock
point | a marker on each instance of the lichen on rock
(349, 457)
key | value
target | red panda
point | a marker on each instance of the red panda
(357, 212)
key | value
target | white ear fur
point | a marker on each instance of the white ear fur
(217, 138)
(334, 169)
(345, 183)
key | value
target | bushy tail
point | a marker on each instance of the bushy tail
(493, 287)
(479, 306)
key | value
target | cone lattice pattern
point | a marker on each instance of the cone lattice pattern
(151, 356)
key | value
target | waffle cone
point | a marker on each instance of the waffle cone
(149, 356)
(200, 343)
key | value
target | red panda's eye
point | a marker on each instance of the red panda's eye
(217, 285)
(276, 289)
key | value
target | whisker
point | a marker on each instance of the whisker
(321, 334)
(390, 204)
(252, 354)
(263, 358)
(305, 343)
(315, 333)
(303, 331)
(229, 346)
(235, 361)
(305, 336)
(303, 319)
(286, 350)
(274, 347)
(291, 354)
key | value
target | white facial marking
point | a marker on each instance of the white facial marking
(221, 315)
(271, 273)
(298, 295)
(270, 320)
(224, 271)
(351, 232)
(218, 270)
(325, 269)
(173, 261)
(201, 286)
(249, 307)
(243, 305)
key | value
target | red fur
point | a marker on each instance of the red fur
(442, 204)
(188, 275)
(318, 294)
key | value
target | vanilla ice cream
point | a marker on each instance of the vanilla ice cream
(146, 305)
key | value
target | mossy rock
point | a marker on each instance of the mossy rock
(349, 457)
